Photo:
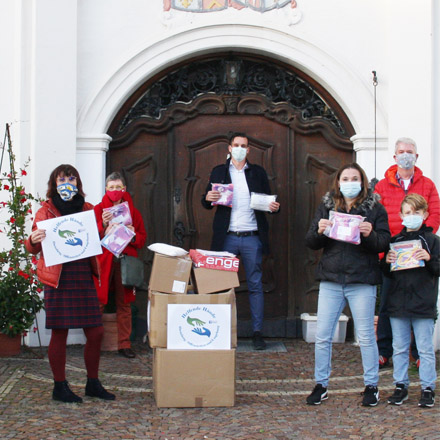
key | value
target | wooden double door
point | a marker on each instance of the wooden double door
(167, 160)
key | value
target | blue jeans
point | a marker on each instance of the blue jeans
(423, 332)
(331, 301)
(251, 251)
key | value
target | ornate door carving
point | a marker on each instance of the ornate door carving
(173, 131)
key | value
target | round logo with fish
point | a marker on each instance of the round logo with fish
(199, 327)
(72, 238)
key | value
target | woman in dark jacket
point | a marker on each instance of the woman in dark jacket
(70, 296)
(348, 273)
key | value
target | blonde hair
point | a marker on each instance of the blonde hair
(416, 201)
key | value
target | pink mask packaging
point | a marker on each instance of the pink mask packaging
(121, 213)
(226, 191)
(117, 239)
(345, 227)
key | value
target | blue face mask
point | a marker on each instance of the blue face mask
(412, 221)
(67, 191)
(350, 189)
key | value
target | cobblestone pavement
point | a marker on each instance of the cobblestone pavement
(270, 401)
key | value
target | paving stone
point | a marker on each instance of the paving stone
(271, 389)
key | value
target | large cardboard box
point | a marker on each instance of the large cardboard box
(193, 378)
(170, 274)
(212, 280)
(158, 311)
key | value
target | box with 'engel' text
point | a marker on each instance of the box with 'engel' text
(170, 274)
(158, 313)
(193, 378)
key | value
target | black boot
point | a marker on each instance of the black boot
(94, 388)
(63, 393)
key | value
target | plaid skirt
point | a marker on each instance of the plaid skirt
(75, 303)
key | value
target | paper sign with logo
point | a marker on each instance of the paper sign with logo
(70, 238)
(199, 326)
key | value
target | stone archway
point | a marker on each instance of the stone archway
(173, 129)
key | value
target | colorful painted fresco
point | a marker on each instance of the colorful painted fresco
(218, 5)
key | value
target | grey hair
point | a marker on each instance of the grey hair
(405, 140)
(115, 176)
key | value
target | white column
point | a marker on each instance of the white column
(373, 163)
(90, 158)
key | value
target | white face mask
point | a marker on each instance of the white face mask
(238, 153)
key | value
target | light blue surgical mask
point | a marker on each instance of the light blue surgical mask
(67, 191)
(350, 189)
(412, 221)
(406, 160)
(238, 153)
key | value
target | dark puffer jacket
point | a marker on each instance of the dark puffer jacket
(347, 263)
(413, 292)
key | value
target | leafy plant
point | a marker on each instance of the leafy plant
(19, 285)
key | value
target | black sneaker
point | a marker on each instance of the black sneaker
(399, 396)
(427, 398)
(319, 394)
(258, 341)
(371, 396)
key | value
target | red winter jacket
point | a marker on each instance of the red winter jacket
(392, 194)
(51, 275)
(106, 258)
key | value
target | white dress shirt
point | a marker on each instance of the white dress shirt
(242, 216)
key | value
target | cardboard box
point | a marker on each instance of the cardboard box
(309, 323)
(158, 311)
(212, 280)
(170, 274)
(193, 378)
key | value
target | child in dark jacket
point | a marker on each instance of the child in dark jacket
(412, 300)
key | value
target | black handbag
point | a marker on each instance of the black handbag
(132, 271)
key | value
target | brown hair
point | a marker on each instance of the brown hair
(65, 170)
(336, 192)
(416, 201)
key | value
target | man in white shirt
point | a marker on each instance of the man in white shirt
(239, 229)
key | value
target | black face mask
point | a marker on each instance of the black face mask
(71, 207)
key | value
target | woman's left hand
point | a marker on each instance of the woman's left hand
(274, 206)
(365, 228)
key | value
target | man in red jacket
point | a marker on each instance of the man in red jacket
(115, 193)
(401, 179)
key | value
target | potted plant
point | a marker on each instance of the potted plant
(19, 286)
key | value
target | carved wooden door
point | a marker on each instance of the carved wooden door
(167, 160)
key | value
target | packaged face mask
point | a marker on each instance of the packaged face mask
(261, 202)
(121, 213)
(226, 191)
(117, 239)
(405, 255)
(345, 227)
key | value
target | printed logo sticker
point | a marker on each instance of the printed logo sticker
(199, 326)
(70, 238)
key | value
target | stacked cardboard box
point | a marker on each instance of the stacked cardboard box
(188, 378)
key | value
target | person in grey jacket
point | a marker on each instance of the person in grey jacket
(348, 272)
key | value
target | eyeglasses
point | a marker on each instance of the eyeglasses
(115, 188)
(66, 179)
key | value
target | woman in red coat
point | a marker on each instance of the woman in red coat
(69, 292)
(115, 193)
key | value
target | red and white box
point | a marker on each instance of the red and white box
(214, 260)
